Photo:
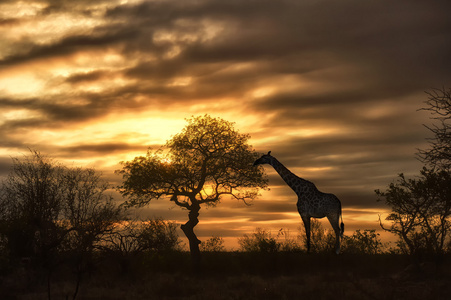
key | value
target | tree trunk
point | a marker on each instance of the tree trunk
(188, 229)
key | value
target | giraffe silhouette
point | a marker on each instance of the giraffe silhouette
(311, 202)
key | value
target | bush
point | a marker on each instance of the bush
(363, 242)
(134, 236)
(321, 240)
(259, 241)
(213, 244)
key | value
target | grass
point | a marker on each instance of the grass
(233, 275)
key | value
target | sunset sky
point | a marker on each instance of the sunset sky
(332, 88)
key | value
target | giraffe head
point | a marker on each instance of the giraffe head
(265, 159)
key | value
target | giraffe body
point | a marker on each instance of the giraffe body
(312, 203)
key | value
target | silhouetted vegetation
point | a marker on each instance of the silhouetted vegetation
(206, 161)
(322, 241)
(259, 241)
(54, 217)
(251, 274)
(62, 236)
(439, 153)
(363, 242)
(421, 207)
(421, 212)
(213, 244)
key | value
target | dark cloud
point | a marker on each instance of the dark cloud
(87, 76)
(9, 22)
(89, 150)
(358, 68)
(394, 48)
(67, 46)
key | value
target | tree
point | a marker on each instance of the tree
(421, 210)
(48, 208)
(32, 203)
(88, 211)
(439, 154)
(45, 203)
(208, 160)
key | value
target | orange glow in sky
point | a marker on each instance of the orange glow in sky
(331, 88)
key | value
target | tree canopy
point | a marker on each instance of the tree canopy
(421, 211)
(205, 162)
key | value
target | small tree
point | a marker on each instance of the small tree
(48, 208)
(421, 210)
(88, 210)
(208, 160)
(32, 203)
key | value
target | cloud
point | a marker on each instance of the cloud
(67, 46)
(5, 166)
(331, 87)
(99, 149)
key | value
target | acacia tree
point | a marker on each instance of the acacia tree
(421, 211)
(206, 161)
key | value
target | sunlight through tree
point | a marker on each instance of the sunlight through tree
(201, 165)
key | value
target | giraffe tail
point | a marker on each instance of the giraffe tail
(342, 226)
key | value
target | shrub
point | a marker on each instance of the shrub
(259, 241)
(213, 244)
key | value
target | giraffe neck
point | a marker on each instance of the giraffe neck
(291, 179)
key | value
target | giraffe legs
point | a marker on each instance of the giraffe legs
(334, 221)
(306, 221)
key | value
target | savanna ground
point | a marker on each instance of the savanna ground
(239, 275)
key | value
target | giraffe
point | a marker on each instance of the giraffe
(311, 202)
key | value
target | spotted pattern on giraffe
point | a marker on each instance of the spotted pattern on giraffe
(312, 203)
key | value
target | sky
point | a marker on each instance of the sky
(332, 88)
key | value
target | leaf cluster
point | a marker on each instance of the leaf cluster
(205, 161)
